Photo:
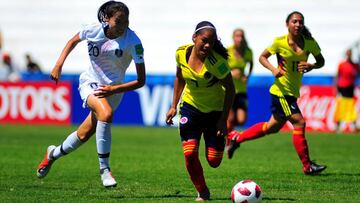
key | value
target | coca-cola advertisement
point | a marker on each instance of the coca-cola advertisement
(318, 105)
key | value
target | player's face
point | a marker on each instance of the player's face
(295, 24)
(119, 21)
(238, 38)
(204, 42)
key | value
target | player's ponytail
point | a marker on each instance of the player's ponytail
(220, 49)
(305, 30)
(109, 8)
(218, 46)
(306, 33)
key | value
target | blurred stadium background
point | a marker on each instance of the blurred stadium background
(42, 28)
(148, 161)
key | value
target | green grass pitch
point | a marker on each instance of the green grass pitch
(149, 167)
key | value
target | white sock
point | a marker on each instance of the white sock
(71, 143)
(103, 143)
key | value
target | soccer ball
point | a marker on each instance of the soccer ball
(246, 191)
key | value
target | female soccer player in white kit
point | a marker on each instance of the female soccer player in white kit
(112, 45)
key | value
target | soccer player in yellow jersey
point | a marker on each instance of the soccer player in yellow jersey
(240, 57)
(204, 84)
(292, 51)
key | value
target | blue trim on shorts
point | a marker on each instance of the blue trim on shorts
(283, 107)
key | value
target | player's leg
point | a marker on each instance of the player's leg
(241, 109)
(280, 112)
(230, 123)
(71, 143)
(256, 131)
(190, 134)
(301, 146)
(214, 149)
(241, 116)
(103, 112)
(214, 145)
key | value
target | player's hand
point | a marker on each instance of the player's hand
(236, 73)
(55, 74)
(244, 78)
(304, 67)
(278, 72)
(104, 91)
(170, 115)
(221, 128)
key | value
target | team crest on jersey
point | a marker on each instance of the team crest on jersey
(139, 50)
(223, 68)
(183, 120)
(118, 52)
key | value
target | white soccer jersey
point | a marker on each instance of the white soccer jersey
(110, 57)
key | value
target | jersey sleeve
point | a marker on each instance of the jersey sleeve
(86, 30)
(221, 69)
(177, 58)
(249, 55)
(273, 48)
(314, 48)
(137, 50)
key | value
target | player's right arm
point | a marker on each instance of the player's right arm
(263, 59)
(70, 45)
(179, 85)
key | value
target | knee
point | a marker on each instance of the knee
(301, 123)
(191, 151)
(214, 157)
(241, 122)
(214, 162)
(105, 115)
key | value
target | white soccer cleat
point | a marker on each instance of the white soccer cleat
(45, 165)
(107, 178)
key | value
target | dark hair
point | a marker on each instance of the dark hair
(218, 46)
(108, 9)
(305, 31)
(244, 38)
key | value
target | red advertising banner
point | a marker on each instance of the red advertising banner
(35, 103)
(317, 104)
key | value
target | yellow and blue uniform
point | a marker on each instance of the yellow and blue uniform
(240, 100)
(287, 87)
(239, 63)
(203, 96)
(203, 90)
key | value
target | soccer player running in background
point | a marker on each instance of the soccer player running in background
(240, 57)
(292, 51)
(112, 45)
(204, 83)
(345, 110)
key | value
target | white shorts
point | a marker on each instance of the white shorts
(87, 86)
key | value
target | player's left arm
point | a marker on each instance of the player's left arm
(107, 90)
(228, 84)
(251, 65)
(304, 66)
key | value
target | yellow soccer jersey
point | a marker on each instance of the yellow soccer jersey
(239, 63)
(202, 90)
(290, 82)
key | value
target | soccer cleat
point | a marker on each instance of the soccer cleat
(107, 178)
(231, 144)
(203, 196)
(45, 165)
(314, 169)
